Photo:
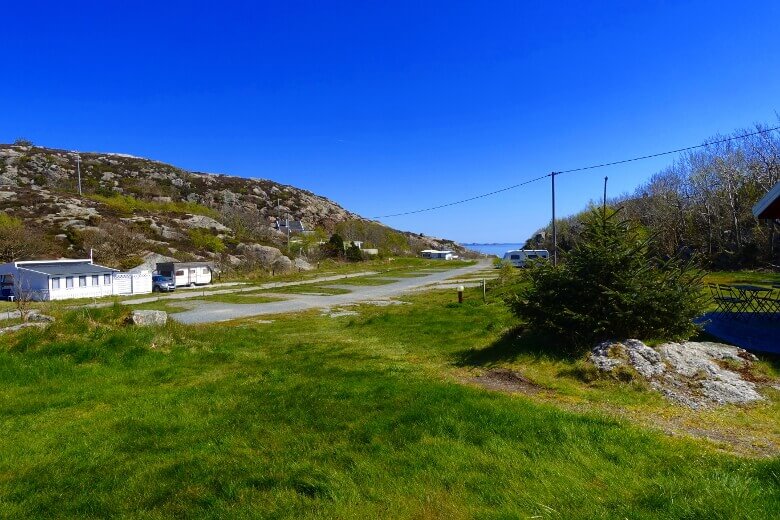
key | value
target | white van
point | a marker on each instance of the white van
(519, 257)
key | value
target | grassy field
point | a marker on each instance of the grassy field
(371, 416)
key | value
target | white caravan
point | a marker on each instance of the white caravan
(186, 273)
(520, 257)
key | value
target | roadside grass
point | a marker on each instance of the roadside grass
(237, 298)
(364, 281)
(305, 289)
(365, 416)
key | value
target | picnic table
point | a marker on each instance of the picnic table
(755, 299)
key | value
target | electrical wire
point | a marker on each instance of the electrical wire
(529, 181)
(582, 168)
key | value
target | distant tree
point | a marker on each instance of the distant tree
(114, 244)
(611, 286)
(354, 254)
(334, 248)
(20, 242)
(23, 142)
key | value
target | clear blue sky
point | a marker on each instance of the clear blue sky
(391, 106)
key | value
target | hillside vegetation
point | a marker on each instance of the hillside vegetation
(132, 206)
(702, 204)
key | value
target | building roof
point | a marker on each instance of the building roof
(769, 206)
(436, 251)
(295, 226)
(65, 268)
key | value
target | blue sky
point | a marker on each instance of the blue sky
(393, 106)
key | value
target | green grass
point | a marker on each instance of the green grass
(127, 205)
(237, 298)
(306, 289)
(745, 277)
(363, 417)
(363, 281)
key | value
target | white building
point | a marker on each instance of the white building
(438, 255)
(67, 279)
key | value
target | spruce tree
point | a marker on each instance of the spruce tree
(609, 286)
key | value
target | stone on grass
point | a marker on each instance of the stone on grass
(146, 318)
(695, 374)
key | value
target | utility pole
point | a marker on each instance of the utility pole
(605, 196)
(554, 230)
(78, 170)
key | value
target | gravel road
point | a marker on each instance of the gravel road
(210, 312)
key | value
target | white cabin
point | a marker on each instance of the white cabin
(65, 279)
(521, 257)
(186, 273)
(434, 254)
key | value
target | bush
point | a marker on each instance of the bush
(354, 254)
(610, 286)
(204, 240)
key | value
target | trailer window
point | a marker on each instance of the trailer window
(180, 272)
(55, 283)
(515, 257)
(531, 257)
(205, 270)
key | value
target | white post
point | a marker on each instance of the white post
(78, 170)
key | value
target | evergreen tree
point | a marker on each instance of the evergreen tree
(611, 287)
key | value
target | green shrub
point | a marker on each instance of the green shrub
(354, 254)
(202, 239)
(610, 286)
(126, 205)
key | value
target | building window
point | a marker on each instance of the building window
(106, 279)
(55, 283)
(69, 282)
(95, 279)
(82, 281)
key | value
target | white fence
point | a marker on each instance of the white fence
(132, 283)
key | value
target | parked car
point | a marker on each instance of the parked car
(162, 284)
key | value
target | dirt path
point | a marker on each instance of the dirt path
(209, 312)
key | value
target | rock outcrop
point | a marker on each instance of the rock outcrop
(169, 210)
(695, 374)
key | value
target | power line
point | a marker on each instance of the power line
(582, 168)
(670, 152)
(529, 181)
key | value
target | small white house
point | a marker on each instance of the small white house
(521, 257)
(434, 254)
(67, 279)
(56, 279)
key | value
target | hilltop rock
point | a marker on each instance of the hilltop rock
(695, 374)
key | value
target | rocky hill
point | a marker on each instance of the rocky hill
(132, 207)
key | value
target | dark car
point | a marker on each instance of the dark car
(162, 284)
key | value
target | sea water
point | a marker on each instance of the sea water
(493, 249)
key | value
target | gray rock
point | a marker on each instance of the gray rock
(203, 222)
(303, 265)
(14, 328)
(689, 373)
(145, 318)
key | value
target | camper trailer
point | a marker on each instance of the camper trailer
(521, 257)
(186, 273)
